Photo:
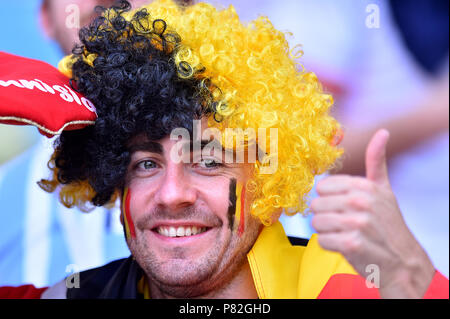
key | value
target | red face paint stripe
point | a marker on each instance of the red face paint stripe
(127, 215)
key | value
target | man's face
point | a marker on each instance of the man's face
(186, 237)
(62, 19)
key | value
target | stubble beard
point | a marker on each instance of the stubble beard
(180, 277)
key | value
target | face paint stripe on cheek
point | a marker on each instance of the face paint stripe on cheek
(237, 206)
(232, 204)
(128, 222)
(241, 210)
(240, 196)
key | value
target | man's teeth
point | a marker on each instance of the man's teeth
(180, 231)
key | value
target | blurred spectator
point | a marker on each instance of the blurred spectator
(424, 30)
(24, 136)
(366, 53)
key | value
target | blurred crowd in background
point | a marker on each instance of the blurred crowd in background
(385, 62)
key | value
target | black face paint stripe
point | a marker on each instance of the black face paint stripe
(232, 203)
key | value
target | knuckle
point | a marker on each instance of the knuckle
(360, 222)
(363, 184)
(323, 242)
(320, 185)
(313, 204)
(358, 202)
(320, 239)
(357, 183)
(353, 223)
(352, 244)
(315, 222)
(364, 223)
(370, 188)
(326, 242)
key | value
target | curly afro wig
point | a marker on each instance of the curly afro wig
(157, 68)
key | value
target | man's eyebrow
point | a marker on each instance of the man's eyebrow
(203, 143)
(146, 146)
(154, 147)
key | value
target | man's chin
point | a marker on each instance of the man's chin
(183, 271)
(181, 278)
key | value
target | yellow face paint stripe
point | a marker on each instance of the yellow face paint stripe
(237, 214)
(128, 223)
(125, 222)
(240, 208)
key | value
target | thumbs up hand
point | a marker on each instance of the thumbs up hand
(360, 218)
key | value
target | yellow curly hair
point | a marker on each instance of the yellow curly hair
(261, 85)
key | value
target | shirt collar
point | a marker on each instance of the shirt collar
(275, 263)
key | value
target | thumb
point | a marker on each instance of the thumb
(376, 166)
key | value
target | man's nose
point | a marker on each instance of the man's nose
(176, 189)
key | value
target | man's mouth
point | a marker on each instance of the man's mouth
(180, 231)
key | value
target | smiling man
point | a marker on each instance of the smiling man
(206, 227)
(185, 236)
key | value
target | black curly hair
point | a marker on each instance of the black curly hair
(135, 87)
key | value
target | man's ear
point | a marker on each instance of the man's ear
(45, 20)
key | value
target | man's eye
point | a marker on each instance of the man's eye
(209, 163)
(146, 165)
